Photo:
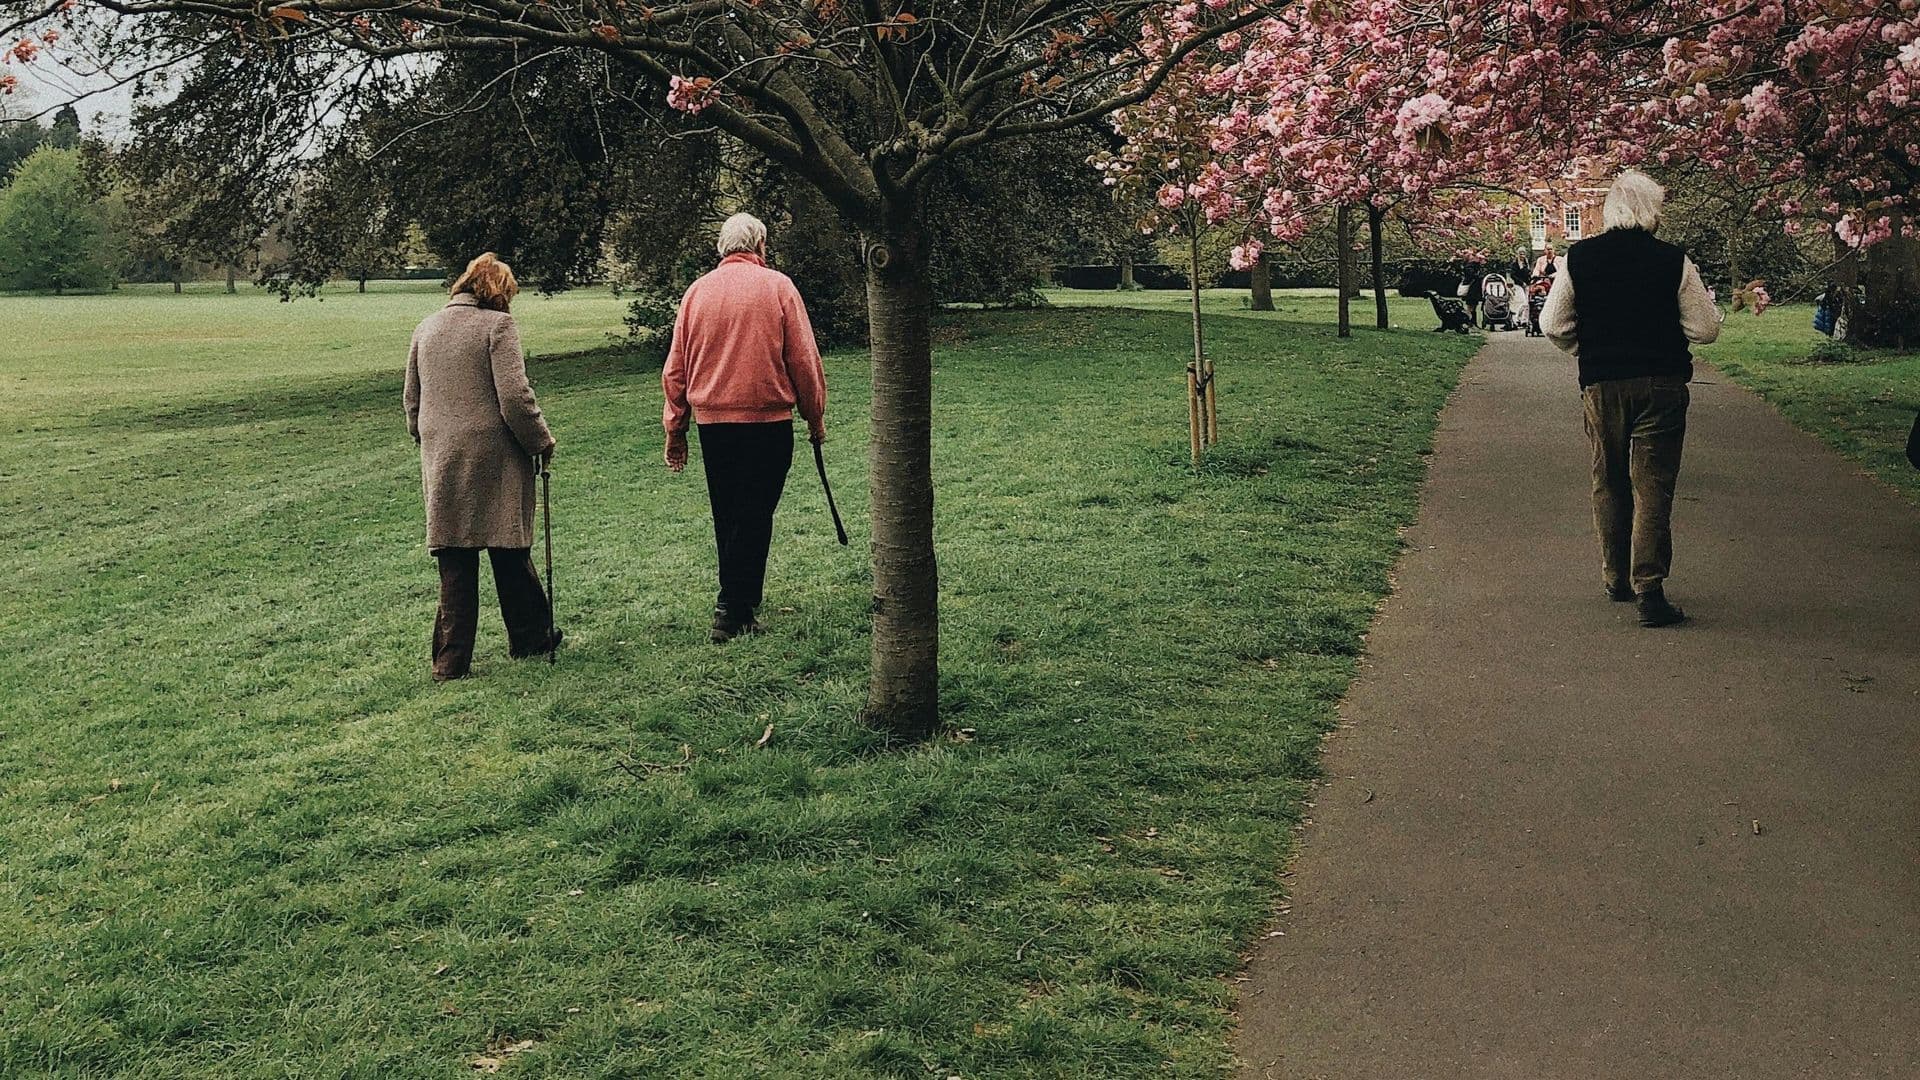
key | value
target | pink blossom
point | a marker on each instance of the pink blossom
(689, 95)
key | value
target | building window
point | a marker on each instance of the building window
(1537, 219)
(1573, 222)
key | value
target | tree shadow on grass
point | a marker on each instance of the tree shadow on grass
(1258, 457)
(352, 395)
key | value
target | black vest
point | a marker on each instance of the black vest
(1626, 296)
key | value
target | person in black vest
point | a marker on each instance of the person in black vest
(1626, 305)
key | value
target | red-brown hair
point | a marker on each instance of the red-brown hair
(490, 281)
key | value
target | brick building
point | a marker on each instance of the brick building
(1562, 210)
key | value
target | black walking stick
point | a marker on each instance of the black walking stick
(546, 518)
(820, 462)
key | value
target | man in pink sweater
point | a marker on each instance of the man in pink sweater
(743, 360)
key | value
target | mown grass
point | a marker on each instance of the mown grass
(242, 835)
(1864, 408)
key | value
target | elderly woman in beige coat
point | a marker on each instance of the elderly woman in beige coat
(471, 411)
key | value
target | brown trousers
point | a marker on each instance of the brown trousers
(523, 605)
(1637, 428)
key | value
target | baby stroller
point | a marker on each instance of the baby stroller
(1536, 303)
(1453, 314)
(1497, 297)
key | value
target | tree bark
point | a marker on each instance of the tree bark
(1890, 318)
(232, 276)
(1193, 290)
(1376, 241)
(363, 283)
(1126, 272)
(1343, 258)
(1263, 284)
(903, 690)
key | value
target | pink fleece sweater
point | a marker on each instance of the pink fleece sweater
(743, 351)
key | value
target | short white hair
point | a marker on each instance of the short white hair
(1634, 202)
(742, 232)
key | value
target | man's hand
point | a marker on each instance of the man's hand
(676, 451)
(817, 433)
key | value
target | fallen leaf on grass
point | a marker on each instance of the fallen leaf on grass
(487, 1064)
(442, 970)
(765, 737)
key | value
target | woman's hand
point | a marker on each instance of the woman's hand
(676, 451)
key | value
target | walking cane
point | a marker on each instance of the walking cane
(820, 463)
(546, 518)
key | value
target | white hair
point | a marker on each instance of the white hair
(742, 232)
(1634, 202)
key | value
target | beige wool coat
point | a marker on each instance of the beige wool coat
(470, 408)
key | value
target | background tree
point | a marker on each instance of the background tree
(341, 221)
(53, 234)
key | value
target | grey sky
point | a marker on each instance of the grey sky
(47, 83)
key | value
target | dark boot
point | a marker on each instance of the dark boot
(1655, 611)
(728, 625)
(1619, 594)
(552, 644)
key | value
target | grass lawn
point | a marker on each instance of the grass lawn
(242, 834)
(1863, 409)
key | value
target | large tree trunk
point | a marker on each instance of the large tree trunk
(1343, 258)
(1891, 316)
(363, 282)
(1263, 284)
(1126, 272)
(232, 276)
(903, 691)
(1376, 241)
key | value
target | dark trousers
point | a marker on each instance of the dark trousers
(1637, 428)
(523, 606)
(746, 472)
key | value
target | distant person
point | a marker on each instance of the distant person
(1548, 264)
(1520, 270)
(479, 429)
(1826, 309)
(743, 360)
(1473, 293)
(1626, 305)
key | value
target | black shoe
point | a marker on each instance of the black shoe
(1619, 594)
(552, 643)
(1655, 611)
(727, 626)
